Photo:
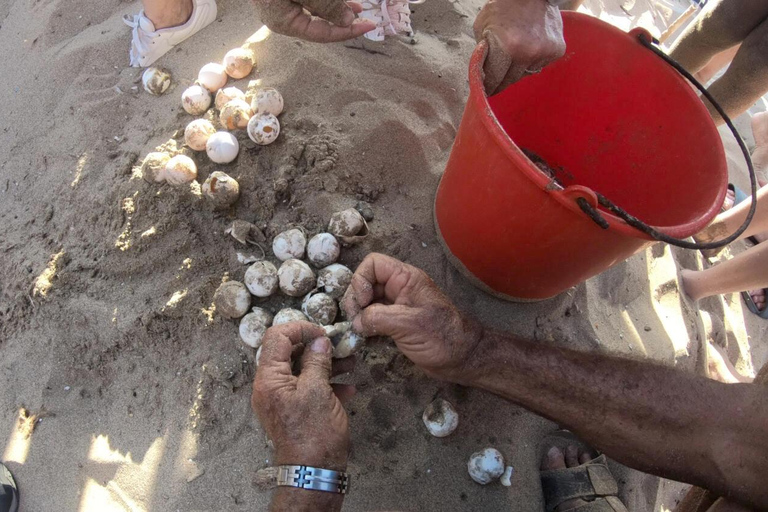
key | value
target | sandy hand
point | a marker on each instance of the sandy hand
(328, 21)
(300, 414)
(390, 298)
(523, 36)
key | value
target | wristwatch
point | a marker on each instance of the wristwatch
(315, 479)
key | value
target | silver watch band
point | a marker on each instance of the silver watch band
(316, 479)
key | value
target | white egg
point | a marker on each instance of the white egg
(288, 315)
(232, 299)
(295, 278)
(239, 62)
(320, 308)
(338, 329)
(212, 76)
(263, 129)
(268, 101)
(261, 279)
(180, 170)
(153, 167)
(323, 249)
(197, 133)
(350, 343)
(196, 100)
(221, 189)
(289, 244)
(334, 280)
(486, 466)
(346, 223)
(440, 418)
(227, 94)
(254, 325)
(235, 115)
(156, 80)
(222, 147)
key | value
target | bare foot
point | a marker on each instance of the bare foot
(758, 297)
(171, 14)
(720, 368)
(573, 456)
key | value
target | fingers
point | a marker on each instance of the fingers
(318, 30)
(356, 7)
(316, 363)
(279, 343)
(378, 277)
(336, 12)
(381, 320)
(498, 65)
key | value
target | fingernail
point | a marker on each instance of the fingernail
(348, 18)
(321, 345)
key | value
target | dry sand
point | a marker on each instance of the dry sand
(144, 398)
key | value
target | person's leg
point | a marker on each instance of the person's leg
(747, 271)
(746, 79)
(721, 25)
(167, 13)
(715, 64)
(572, 5)
(729, 221)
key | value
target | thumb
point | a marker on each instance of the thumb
(316, 362)
(395, 321)
(497, 63)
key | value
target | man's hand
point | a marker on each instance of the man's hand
(301, 415)
(523, 36)
(328, 20)
(389, 298)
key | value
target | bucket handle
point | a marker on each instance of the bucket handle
(592, 212)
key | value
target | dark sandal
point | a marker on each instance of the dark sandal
(591, 482)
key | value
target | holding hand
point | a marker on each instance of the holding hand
(523, 36)
(389, 298)
(301, 414)
(329, 20)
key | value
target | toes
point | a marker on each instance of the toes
(554, 459)
(585, 456)
(572, 456)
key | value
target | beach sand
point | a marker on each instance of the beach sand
(106, 281)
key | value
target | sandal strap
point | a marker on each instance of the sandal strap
(591, 481)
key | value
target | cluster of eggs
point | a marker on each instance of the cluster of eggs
(319, 280)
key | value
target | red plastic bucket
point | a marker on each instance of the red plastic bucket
(611, 117)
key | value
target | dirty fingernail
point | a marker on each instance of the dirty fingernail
(348, 18)
(321, 345)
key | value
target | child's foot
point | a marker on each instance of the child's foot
(150, 42)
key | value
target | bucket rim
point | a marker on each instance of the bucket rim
(478, 96)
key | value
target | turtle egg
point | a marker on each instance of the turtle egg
(346, 223)
(197, 133)
(440, 418)
(289, 244)
(221, 189)
(196, 99)
(486, 466)
(180, 170)
(267, 101)
(261, 279)
(288, 315)
(239, 62)
(349, 343)
(295, 278)
(323, 249)
(232, 299)
(334, 279)
(222, 147)
(506, 478)
(153, 166)
(263, 129)
(227, 94)
(235, 115)
(320, 308)
(156, 81)
(212, 76)
(254, 325)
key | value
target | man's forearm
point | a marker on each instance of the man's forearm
(650, 417)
